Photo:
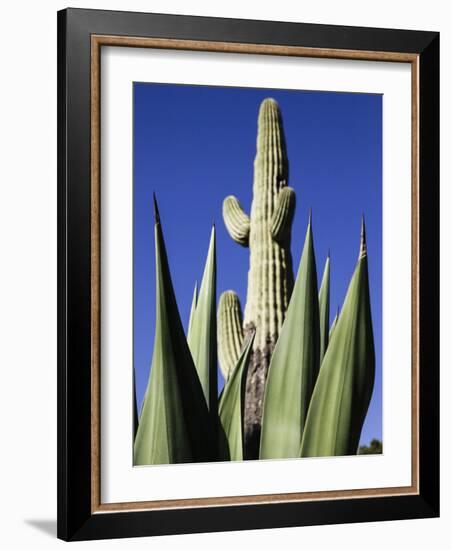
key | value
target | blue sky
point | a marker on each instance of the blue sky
(194, 145)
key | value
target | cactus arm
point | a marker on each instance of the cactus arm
(230, 332)
(282, 217)
(236, 220)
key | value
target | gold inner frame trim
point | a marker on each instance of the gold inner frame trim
(97, 41)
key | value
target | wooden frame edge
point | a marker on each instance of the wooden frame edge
(98, 40)
(415, 271)
(95, 276)
(228, 47)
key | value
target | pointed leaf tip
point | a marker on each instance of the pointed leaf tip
(156, 212)
(202, 330)
(362, 253)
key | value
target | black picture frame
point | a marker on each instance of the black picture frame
(76, 520)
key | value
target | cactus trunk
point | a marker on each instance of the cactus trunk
(267, 232)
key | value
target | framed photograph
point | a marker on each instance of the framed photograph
(248, 274)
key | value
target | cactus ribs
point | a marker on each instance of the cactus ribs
(267, 233)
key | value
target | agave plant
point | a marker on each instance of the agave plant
(343, 390)
(308, 416)
(175, 424)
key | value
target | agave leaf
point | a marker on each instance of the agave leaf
(192, 312)
(345, 383)
(334, 324)
(294, 364)
(324, 306)
(202, 333)
(221, 393)
(174, 425)
(231, 405)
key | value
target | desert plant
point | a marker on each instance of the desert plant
(343, 390)
(267, 233)
(175, 424)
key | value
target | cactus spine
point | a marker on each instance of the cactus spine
(267, 233)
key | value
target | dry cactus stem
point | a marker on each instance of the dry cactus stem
(267, 233)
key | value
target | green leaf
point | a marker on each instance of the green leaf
(345, 383)
(294, 364)
(231, 407)
(324, 305)
(334, 324)
(174, 426)
(202, 333)
(192, 312)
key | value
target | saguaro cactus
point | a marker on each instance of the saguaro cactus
(267, 233)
